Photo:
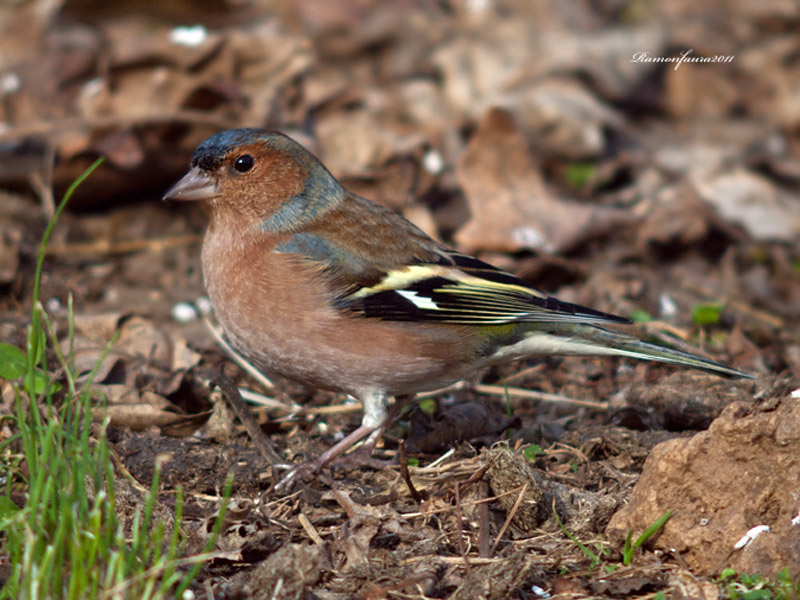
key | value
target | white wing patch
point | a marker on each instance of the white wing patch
(407, 276)
(418, 301)
(447, 294)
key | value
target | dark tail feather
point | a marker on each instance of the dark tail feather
(625, 345)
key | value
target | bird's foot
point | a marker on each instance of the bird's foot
(306, 469)
(297, 474)
(362, 457)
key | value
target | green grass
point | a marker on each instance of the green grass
(596, 557)
(707, 314)
(743, 586)
(60, 532)
(631, 546)
(601, 552)
(641, 316)
(580, 173)
(532, 451)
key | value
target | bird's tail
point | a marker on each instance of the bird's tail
(625, 345)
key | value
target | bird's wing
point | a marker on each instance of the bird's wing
(382, 266)
(466, 292)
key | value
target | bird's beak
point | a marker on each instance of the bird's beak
(195, 185)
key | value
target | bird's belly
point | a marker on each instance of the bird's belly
(325, 357)
(298, 334)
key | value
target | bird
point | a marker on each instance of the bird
(319, 285)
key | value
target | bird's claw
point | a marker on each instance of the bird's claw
(295, 475)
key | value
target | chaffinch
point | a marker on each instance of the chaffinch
(319, 285)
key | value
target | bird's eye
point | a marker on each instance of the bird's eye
(244, 163)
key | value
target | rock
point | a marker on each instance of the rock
(741, 475)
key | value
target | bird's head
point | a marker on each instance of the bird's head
(262, 178)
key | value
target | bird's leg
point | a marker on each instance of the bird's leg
(375, 416)
(362, 457)
(305, 469)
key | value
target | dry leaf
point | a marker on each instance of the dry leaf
(753, 202)
(564, 117)
(511, 207)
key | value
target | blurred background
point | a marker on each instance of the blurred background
(542, 135)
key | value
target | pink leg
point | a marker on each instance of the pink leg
(302, 471)
(373, 425)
